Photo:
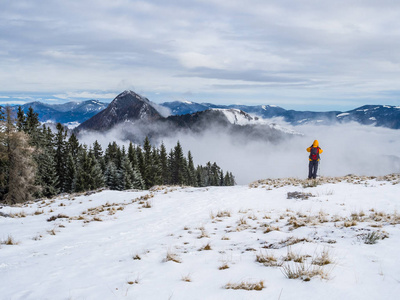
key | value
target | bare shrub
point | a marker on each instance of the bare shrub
(372, 237)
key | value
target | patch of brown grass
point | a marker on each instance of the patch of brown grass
(248, 286)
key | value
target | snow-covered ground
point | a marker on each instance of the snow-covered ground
(200, 243)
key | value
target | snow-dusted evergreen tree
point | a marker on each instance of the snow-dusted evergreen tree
(61, 154)
(178, 165)
(112, 177)
(89, 173)
(127, 173)
(95, 171)
(148, 164)
(70, 174)
(20, 119)
(73, 146)
(47, 177)
(191, 172)
(165, 175)
(137, 180)
(98, 154)
(156, 170)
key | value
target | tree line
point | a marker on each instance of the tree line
(37, 162)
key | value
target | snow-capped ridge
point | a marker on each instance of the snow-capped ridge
(238, 117)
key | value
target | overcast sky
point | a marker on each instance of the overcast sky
(318, 55)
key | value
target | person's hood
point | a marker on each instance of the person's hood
(315, 144)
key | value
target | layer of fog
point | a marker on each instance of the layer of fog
(348, 149)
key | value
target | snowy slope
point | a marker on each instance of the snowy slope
(114, 245)
(239, 117)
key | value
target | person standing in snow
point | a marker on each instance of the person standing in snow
(315, 151)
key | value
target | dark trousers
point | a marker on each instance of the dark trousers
(312, 169)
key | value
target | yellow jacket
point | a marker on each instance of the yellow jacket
(315, 144)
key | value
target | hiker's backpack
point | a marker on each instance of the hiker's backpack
(314, 153)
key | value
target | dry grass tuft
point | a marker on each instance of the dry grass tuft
(322, 259)
(248, 286)
(187, 278)
(20, 214)
(203, 233)
(268, 260)
(59, 216)
(172, 257)
(295, 257)
(303, 271)
(206, 247)
(224, 266)
(132, 282)
(136, 257)
(9, 241)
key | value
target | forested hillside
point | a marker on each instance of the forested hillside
(37, 162)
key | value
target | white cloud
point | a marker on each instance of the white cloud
(86, 95)
(343, 48)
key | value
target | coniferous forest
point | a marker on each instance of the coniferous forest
(36, 162)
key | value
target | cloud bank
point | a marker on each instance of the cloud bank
(348, 149)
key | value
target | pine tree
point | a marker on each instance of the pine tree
(70, 177)
(127, 173)
(46, 177)
(73, 146)
(191, 172)
(20, 119)
(140, 160)
(148, 164)
(112, 177)
(156, 170)
(178, 165)
(98, 154)
(132, 155)
(137, 180)
(61, 154)
(95, 171)
(164, 165)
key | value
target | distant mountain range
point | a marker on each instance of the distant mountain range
(69, 113)
(136, 118)
(95, 115)
(377, 115)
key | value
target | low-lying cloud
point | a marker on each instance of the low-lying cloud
(348, 149)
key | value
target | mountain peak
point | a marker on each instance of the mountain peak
(126, 107)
